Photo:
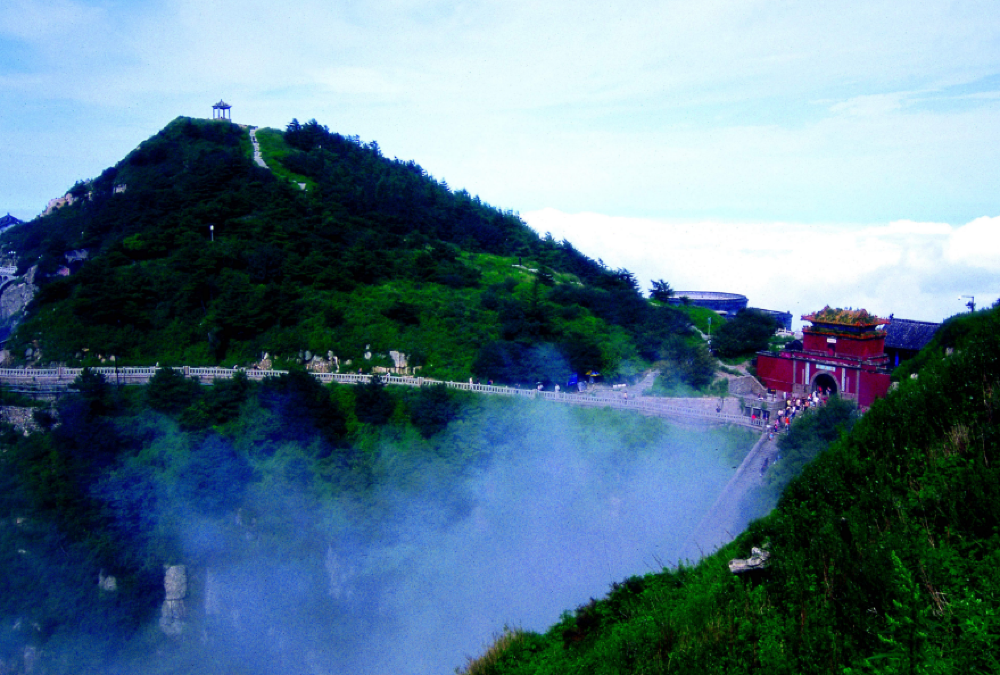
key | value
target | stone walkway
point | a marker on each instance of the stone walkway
(728, 516)
(646, 383)
(257, 156)
(729, 405)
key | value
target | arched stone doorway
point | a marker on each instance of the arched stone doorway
(825, 382)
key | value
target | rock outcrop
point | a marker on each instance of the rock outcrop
(107, 582)
(16, 297)
(174, 611)
(22, 419)
(13, 299)
(757, 560)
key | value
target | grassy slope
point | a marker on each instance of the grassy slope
(699, 317)
(886, 553)
(274, 149)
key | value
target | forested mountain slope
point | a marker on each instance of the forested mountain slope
(199, 256)
(885, 555)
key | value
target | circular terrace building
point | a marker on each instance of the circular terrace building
(723, 303)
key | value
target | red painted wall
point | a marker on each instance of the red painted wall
(775, 372)
(814, 343)
(872, 386)
(844, 346)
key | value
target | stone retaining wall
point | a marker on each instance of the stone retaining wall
(746, 386)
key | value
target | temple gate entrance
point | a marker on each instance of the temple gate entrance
(825, 382)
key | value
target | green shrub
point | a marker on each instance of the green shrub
(432, 408)
(747, 333)
(170, 392)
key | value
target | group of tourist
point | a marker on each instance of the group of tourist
(785, 415)
(794, 406)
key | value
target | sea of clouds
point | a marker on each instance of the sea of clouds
(913, 270)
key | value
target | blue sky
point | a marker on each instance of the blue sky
(717, 129)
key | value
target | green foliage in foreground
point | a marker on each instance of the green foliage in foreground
(885, 555)
(953, 333)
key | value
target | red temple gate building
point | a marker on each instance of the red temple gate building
(843, 352)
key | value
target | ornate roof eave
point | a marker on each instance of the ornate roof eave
(838, 330)
(859, 318)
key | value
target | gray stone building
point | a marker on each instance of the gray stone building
(904, 338)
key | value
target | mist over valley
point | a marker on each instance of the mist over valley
(564, 508)
(436, 558)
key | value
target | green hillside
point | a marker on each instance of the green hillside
(885, 553)
(374, 255)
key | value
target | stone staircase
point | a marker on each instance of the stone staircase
(257, 156)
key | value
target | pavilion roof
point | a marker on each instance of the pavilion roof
(906, 334)
(9, 220)
(222, 104)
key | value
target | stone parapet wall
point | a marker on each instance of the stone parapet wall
(49, 380)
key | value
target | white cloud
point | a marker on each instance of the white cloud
(910, 269)
(876, 104)
(976, 244)
(908, 227)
